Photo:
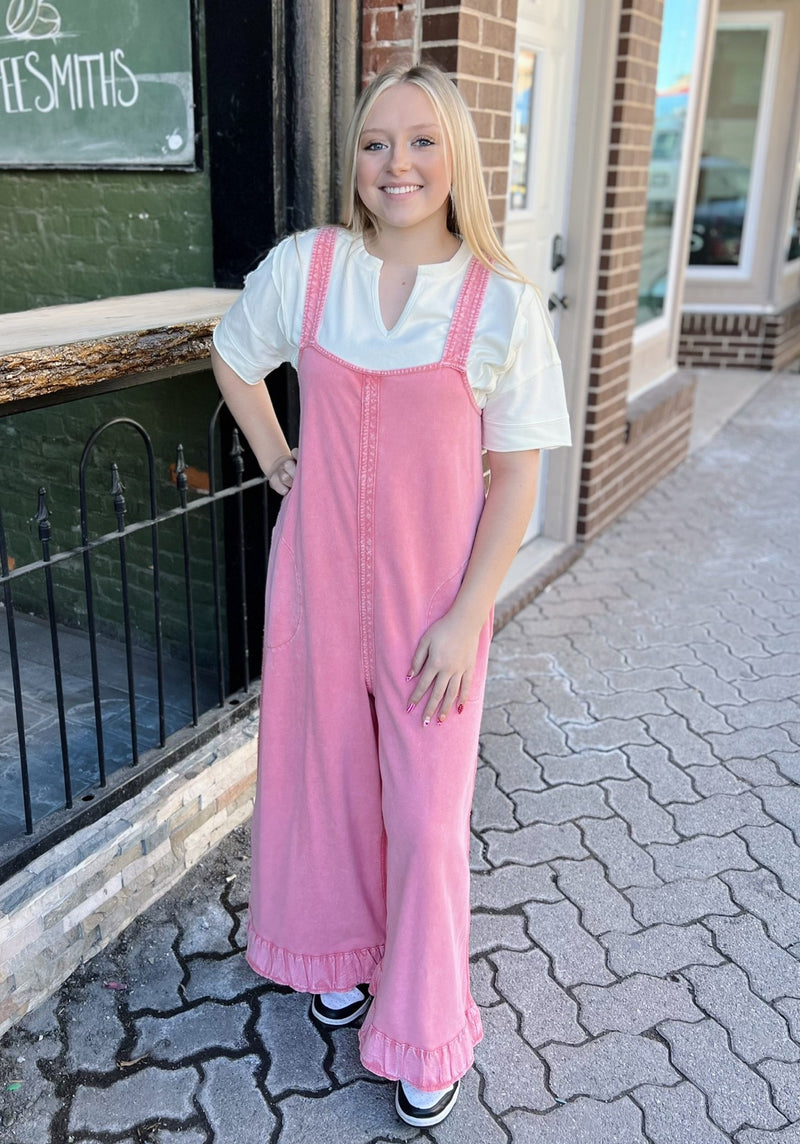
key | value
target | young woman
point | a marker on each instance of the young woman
(417, 343)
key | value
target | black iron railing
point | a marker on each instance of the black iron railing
(127, 702)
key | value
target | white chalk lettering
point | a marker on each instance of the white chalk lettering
(62, 76)
(31, 60)
(119, 57)
(11, 86)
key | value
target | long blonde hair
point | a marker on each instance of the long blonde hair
(468, 215)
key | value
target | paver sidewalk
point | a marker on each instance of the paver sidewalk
(636, 936)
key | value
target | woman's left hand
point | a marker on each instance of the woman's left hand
(444, 663)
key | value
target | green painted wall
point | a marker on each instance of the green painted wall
(70, 236)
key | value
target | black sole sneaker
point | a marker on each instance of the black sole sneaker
(425, 1117)
(337, 1018)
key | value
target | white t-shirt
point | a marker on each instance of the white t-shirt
(513, 366)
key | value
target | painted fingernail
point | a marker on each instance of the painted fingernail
(460, 708)
(426, 721)
(439, 722)
(409, 677)
(410, 708)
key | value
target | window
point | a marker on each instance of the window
(673, 89)
(521, 129)
(793, 237)
(728, 158)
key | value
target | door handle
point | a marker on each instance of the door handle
(558, 302)
(557, 258)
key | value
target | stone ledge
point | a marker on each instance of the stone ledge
(66, 348)
(82, 896)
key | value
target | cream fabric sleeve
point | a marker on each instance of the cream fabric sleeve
(527, 409)
(262, 328)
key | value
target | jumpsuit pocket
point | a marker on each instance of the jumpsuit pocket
(283, 598)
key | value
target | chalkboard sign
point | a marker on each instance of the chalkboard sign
(96, 83)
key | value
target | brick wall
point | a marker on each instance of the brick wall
(474, 42)
(70, 902)
(754, 341)
(628, 447)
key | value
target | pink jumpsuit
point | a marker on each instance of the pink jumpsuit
(361, 827)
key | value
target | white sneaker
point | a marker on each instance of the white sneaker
(422, 1109)
(333, 1010)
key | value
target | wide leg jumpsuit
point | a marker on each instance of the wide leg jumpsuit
(361, 827)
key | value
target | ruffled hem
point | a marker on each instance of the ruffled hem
(428, 1069)
(310, 972)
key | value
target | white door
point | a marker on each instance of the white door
(545, 101)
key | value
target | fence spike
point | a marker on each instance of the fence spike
(117, 491)
(181, 479)
(237, 453)
(42, 515)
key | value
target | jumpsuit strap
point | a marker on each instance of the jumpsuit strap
(465, 317)
(317, 286)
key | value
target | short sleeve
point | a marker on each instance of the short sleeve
(262, 328)
(527, 409)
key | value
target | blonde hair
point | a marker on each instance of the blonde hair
(468, 215)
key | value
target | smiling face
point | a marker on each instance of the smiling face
(402, 164)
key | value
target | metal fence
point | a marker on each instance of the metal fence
(100, 707)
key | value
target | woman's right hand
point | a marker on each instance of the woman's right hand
(281, 475)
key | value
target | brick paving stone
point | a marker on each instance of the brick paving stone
(667, 782)
(561, 804)
(719, 814)
(153, 972)
(208, 1027)
(513, 1073)
(750, 743)
(581, 1121)
(504, 686)
(771, 970)
(787, 765)
(491, 807)
(755, 1029)
(585, 768)
(146, 1095)
(235, 1107)
(92, 1028)
(546, 1011)
(711, 687)
(784, 663)
(512, 885)
(558, 696)
(632, 801)
(736, 1095)
(728, 667)
(627, 705)
(221, 979)
(673, 732)
(681, 901)
(495, 721)
(783, 804)
(760, 772)
(497, 931)
(784, 1080)
(608, 1066)
(761, 713)
(359, 1114)
(660, 655)
(477, 860)
(296, 1048)
(515, 769)
(790, 1135)
(532, 844)
(677, 1114)
(481, 976)
(741, 644)
(205, 926)
(606, 735)
(644, 679)
(715, 780)
(626, 863)
(634, 1005)
(701, 857)
(700, 715)
(577, 956)
(540, 735)
(774, 847)
(759, 892)
(790, 1007)
(775, 687)
(602, 908)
